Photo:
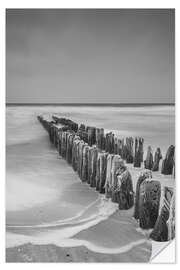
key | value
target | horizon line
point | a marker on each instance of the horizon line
(89, 104)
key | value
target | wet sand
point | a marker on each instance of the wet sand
(108, 233)
(51, 253)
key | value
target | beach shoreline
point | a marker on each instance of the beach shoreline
(133, 247)
(39, 157)
(51, 253)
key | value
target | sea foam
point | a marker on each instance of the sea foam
(63, 236)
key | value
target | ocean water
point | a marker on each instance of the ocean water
(45, 200)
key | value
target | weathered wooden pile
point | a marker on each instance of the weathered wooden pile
(147, 207)
(98, 158)
(164, 228)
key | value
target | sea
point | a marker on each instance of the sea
(46, 203)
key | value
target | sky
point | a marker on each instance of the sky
(90, 56)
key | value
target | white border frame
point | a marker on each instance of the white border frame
(77, 4)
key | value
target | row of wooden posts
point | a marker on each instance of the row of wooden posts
(98, 158)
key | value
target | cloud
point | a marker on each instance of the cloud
(90, 56)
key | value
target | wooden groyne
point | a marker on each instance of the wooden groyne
(164, 228)
(99, 159)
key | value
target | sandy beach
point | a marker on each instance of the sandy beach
(117, 246)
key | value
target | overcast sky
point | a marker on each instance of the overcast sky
(76, 56)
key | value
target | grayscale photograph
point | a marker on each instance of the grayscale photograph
(90, 134)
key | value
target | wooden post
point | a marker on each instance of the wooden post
(93, 166)
(150, 192)
(144, 175)
(120, 148)
(101, 171)
(85, 163)
(90, 153)
(124, 188)
(70, 137)
(98, 170)
(103, 166)
(59, 141)
(124, 150)
(82, 133)
(108, 183)
(116, 162)
(129, 150)
(76, 142)
(100, 138)
(168, 162)
(171, 219)
(116, 150)
(157, 158)
(148, 163)
(80, 157)
(110, 142)
(141, 142)
(64, 144)
(160, 231)
(138, 153)
(91, 135)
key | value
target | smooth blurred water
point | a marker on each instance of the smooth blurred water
(155, 123)
(43, 193)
